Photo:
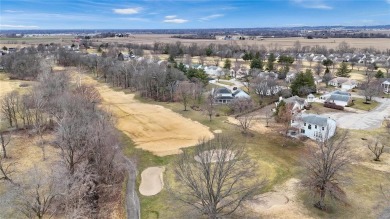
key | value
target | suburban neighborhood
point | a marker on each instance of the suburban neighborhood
(195, 109)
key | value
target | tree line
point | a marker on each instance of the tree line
(90, 172)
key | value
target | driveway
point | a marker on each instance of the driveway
(363, 120)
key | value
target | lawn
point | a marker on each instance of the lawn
(360, 104)
(276, 163)
(226, 83)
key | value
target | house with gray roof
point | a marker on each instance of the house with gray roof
(338, 97)
(298, 103)
(316, 127)
(222, 95)
(343, 82)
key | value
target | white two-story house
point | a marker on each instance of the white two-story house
(316, 127)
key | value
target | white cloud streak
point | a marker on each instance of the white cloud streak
(17, 26)
(210, 17)
(12, 11)
(175, 21)
(127, 10)
(315, 4)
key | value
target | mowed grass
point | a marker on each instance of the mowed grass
(361, 104)
(226, 83)
(276, 163)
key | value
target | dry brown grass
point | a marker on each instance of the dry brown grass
(377, 43)
(153, 128)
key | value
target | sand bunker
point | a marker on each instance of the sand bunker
(213, 156)
(151, 181)
(152, 127)
(281, 203)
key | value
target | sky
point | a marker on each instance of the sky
(187, 14)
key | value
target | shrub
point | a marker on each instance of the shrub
(333, 106)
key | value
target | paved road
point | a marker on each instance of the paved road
(363, 120)
(132, 200)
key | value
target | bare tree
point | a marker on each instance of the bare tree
(37, 196)
(245, 122)
(318, 68)
(216, 178)
(184, 93)
(39, 124)
(5, 140)
(9, 105)
(298, 65)
(264, 86)
(268, 116)
(209, 106)
(240, 105)
(324, 165)
(284, 115)
(201, 59)
(6, 170)
(370, 89)
(236, 68)
(377, 149)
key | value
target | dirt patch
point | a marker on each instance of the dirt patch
(218, 131)
(281, 203)
(151, 181)
(213, 156)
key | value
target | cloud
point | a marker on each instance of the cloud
(170, 17)
(127, 10)
(210, 17)
(315, 4)
(12, 11)
(175, 21)
(17, 26)
(388, 1)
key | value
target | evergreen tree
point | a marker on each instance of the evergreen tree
(303, 83)
(227, 64)
(379, 74)
(270, 62)
(343, 70)
(257, 64)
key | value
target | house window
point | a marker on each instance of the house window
(304, 124)
(323, 128)
(309, 127)
(303, 131)
(315, 126)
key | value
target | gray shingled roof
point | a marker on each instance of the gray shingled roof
(315, 120)
(222, 90)
(338, 97)
(294, 99)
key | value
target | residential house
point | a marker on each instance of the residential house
(343, 82)
(310, 98)
(290, 77)
(338, 97)
(213, 70)
(297, 102)
(238, 93)
(386, 86)
(222, 95)
(316, 127)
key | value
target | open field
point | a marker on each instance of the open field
(28, 41)
(151, 127)
(377, 43)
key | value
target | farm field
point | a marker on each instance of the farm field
(377, 43)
